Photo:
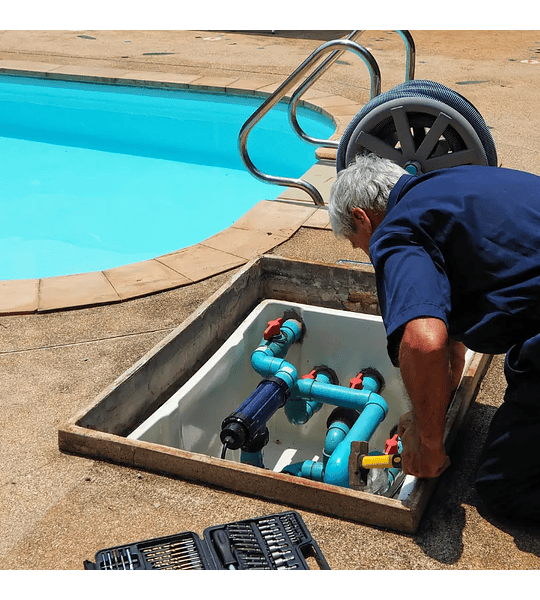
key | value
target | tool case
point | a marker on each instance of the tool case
(273, 542)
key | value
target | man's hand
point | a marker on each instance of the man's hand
(420, 458)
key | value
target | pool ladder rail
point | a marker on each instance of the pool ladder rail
(336, 48)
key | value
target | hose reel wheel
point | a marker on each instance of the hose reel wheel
(422, 126)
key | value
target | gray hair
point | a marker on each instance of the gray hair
(366, 183)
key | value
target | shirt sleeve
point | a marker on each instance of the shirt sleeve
(411, 283)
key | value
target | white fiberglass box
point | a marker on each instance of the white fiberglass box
(344, 341)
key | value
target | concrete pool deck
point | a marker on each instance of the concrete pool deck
(58, 509)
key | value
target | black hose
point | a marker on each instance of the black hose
(223, 450)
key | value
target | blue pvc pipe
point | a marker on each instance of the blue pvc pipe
(336, 433)
(290, 332)
(252, 458)
(299, 409)
(370, 384)
(313, 392)
(337, 395)
(267, 360)
(337, 468)
(308, 469)
(392, 474)
(269, 395)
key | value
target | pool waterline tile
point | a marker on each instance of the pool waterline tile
(265, 226)
(157, 79)
(81, 73)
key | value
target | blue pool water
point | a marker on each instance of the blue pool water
(98, 176)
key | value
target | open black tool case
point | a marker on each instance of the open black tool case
(278, 541)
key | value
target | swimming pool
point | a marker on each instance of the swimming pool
(98, 176)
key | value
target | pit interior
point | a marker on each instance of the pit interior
(343, 341)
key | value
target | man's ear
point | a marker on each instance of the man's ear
(359, 215)
(361, 220)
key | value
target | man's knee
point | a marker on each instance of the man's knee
(495, 492)
(508, 478)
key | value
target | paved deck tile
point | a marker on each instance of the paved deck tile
(19, 296)
(246, 85)
(70, 291)
(244, 243)
(280, 218)
(215, 83)
(199, 262)
(319, 219)
(22, 66)
(333, 101)
(142, 278)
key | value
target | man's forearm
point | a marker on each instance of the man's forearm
(427, 375)
(427, 380)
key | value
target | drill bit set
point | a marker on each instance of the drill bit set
(183, 551)
(275, 542)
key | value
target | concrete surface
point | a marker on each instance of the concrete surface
(58, 510)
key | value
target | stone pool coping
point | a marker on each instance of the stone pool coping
(265, 226)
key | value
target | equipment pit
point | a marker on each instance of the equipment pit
(165, 414)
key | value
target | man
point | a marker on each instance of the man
(456, 254)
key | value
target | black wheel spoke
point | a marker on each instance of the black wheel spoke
(419, 135)
(452, 159)
(432, 137)
(379, 147)
(403, 130)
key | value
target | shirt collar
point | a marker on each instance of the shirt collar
(395, 194)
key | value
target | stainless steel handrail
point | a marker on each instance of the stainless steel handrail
(295, 99)
(411, 53)
(274, 98)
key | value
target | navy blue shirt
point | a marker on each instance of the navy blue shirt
(462, 245)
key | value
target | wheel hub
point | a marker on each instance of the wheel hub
(413, 167)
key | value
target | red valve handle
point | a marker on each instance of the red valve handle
(311, 375)
(273, 328)
(391, 445)
(357, 383)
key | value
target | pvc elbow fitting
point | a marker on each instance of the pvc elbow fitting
(337, 469)
(292, 329)
(299, 412)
